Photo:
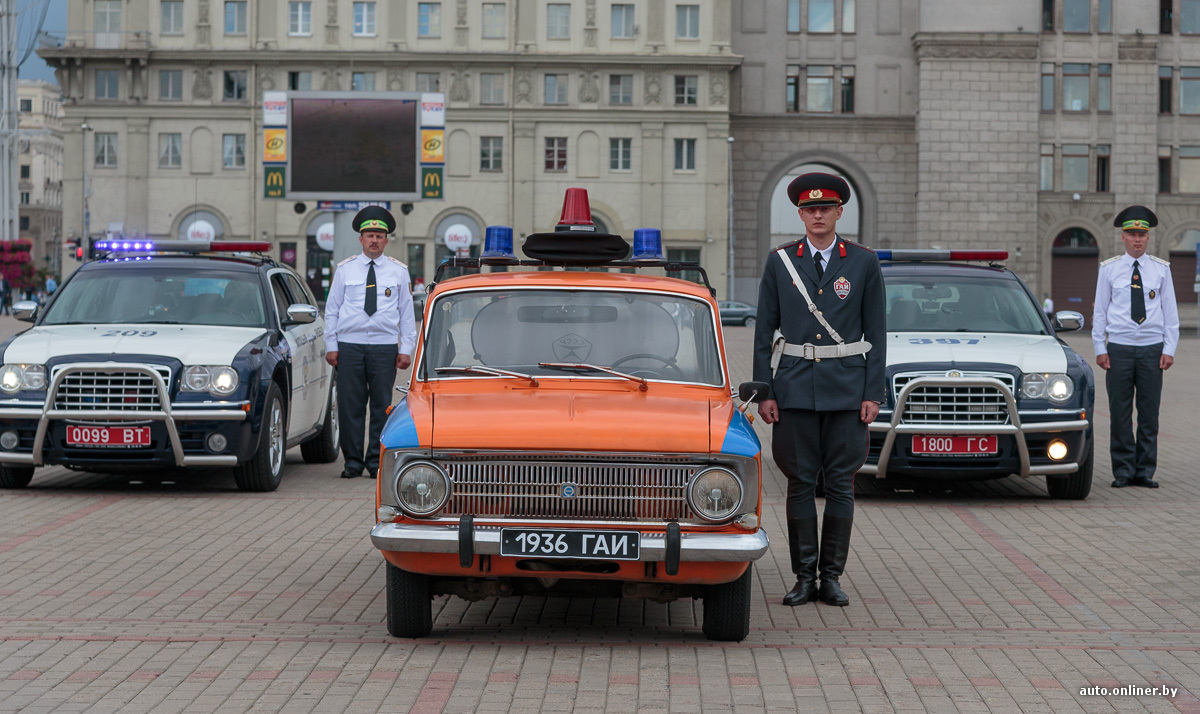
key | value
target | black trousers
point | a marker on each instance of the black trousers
(834, 444)
(364, 373)
(1134, 377)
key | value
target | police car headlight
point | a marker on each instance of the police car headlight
(224, 380)
(196, 379)
(422, 488)
(15, 377)
(1058, 388)
(715, 494)
(35, 376)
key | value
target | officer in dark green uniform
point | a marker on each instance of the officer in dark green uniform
(820, 344)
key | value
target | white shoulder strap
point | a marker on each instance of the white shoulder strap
(804, 293)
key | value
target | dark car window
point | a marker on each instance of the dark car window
(299, 295)
(934, 303)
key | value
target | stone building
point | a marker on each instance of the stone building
(40, 174)
(630, 100)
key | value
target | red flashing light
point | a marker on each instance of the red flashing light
(979, 255)
(576, 211)
(229, 246)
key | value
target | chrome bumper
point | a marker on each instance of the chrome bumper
(894, 427)
(694, 547)
(168, 414)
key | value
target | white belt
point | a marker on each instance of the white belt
(811, 351)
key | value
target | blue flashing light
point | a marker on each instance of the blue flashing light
(647, 244)
(498, 242)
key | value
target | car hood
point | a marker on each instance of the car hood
(190, 344)
(1028, 353)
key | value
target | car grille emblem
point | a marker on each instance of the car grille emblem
(954, 374)
(568, 490)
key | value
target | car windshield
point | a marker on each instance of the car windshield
(933, 303)
(654, 336)
(152, 295)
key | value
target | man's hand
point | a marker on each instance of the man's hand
(402, 361)
(1103, 363)
(768, 409)
(1165, 362)
(868, 411)
(331, 358)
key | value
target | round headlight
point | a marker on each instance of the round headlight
(715, 494)
(1032, 385)
(1059, 388)
(196, 379)
(10, 378)
(422, 488)
(224, 380)
(35, 376)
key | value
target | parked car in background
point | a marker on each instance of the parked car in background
(737, 313)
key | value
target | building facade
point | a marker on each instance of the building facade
(40, 172)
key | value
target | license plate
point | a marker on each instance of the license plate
(954, 445)
(542, 543)
(108, 436)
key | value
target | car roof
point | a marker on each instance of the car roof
(950, 270)
(214, 262)
(559, 279)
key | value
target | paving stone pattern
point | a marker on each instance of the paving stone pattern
(140, 594)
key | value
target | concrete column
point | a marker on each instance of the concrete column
(722, 24)
(525, 157)
(653, 165)
(397, 23)
(139, 156)
(527, 25)
(655, 21)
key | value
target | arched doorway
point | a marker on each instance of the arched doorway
(785, 221)
(1074, 265)
(1183, 266)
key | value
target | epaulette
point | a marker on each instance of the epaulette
(1106, 262)
(857, 245)
(783, 246)
(397, 262)
(1157, 259)
(347, 260)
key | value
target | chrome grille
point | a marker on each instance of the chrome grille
(606, 491)
(954, 405)
(116, 389)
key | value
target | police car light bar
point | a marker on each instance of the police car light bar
(183, 246)
(922, 254)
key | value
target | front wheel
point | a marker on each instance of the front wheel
(265, 468)
(1076, 486)
(323, 448)
(749, 322)
(15, 476)
(727, 609)
(409, 603)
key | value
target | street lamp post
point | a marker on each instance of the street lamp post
(87, 189)
(729, 238)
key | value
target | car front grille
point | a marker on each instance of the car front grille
(113, 390)
(943, 404)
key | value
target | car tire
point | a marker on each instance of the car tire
(727, 609)
(323, 448)
(1076, 486)
(263, 471)
(409, 603)
(749, 322)
(15, 476)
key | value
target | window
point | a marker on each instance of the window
(416, 261)
(1047, 168)
(622, 21)
(1189, 90)
(556, 153)
(1189, 169)
(687, 22)
(1104, 16)
(108, 83)
(491, 153)
(556, 89)
(1047, 87)
(820, 15)
(172, 17)
(620, 89)
(1075, 87)
(620, 154)
(170, 85)
(1077, 16)
(1189, 19)
(364, 19)
(558, 21)
(107, 17)
(1164, 90)
(25, 198)
(429, 19)
(1164, 169)
(847, 15)
(819, 89)
(495, 20)
(300, 18)
(24, 171)
(686, 89)
(1104, 88)
(429, 82)
(301, 81)
(1074, 167)
(793, 88)
(793, 16)
(235, 17)
(685, 154)
(170, 151)
(24, 223)
(491, 89)
(847, 90)
(684, 255)
(27, 105)
(362, 82)
(234, 85)
(233, 153)
(1166, 17)
(1047, 15)
(1102, 154)
(105, 149)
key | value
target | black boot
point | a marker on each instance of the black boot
(802, 543)
(835, 548)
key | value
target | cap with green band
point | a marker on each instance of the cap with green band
(374, 218)
(1136, 218)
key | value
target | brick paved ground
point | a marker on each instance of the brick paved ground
(185, 594)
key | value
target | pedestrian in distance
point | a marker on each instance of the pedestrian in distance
(370, 333)
(1135, 329)
(819, 344)
(1047, 305)
(5, 289)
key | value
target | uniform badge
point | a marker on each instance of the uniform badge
(1151, 294)
(842, 288)
(816, 193)
(387, 292)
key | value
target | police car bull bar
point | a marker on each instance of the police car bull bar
(1015, 427)
(168, 414)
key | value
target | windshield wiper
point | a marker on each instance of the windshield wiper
(490, 371)
(156, 322)
(642, 384)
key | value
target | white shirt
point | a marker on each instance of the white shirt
(1111, 319)
(825, 254)
(345, 319)
(1047, 306)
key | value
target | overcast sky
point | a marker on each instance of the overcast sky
(56, 24)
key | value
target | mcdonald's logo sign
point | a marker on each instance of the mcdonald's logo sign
(274, 181)
(431, 182)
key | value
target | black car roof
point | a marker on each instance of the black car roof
(950, 270)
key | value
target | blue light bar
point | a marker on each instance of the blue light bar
(917, 255)
(498, 242)
(647, 244)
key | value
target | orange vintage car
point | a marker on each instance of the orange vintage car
(569, 432)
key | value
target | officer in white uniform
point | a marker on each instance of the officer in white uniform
(369, 310)
(1135, 329)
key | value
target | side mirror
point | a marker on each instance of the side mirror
(25, 311)
(301, 314)
(1068, 321)
(752, 392)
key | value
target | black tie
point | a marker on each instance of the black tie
(817, 257)
(369, 302)
(1137, 298)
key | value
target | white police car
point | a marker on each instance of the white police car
(981, 387)
(169, 354)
